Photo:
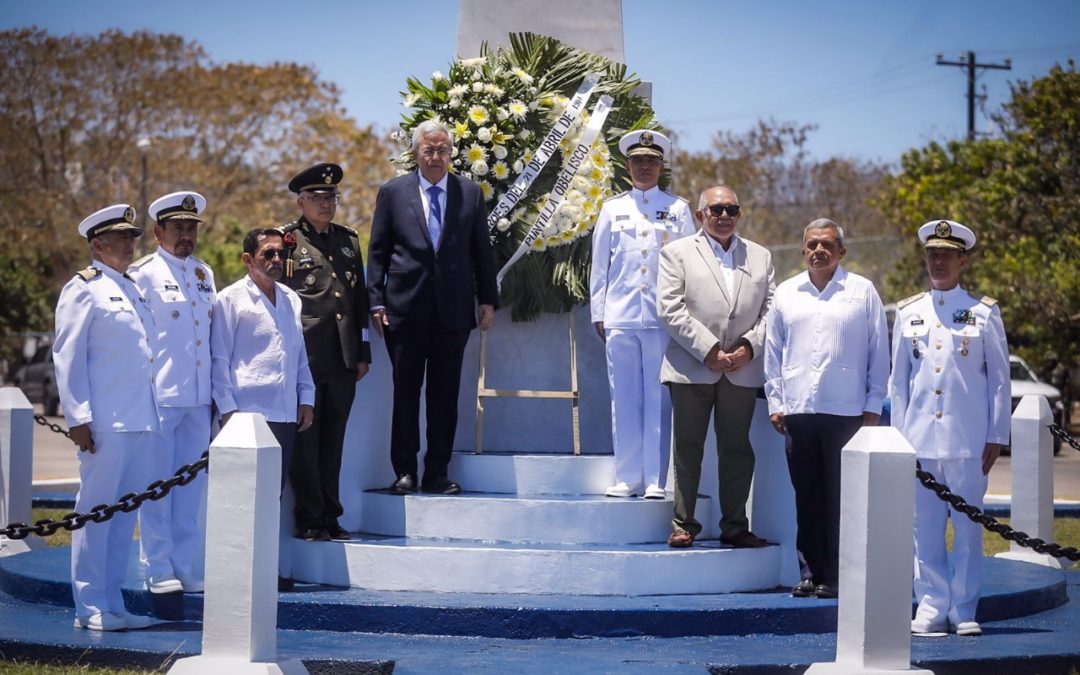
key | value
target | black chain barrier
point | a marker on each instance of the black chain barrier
(40, 419)
(1059, 433)
(990, 523)
(102, 512)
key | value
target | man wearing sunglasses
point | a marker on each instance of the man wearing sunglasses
(326, 269)
(713, 293)
(629, 233)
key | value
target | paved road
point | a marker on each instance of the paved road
(55, 458)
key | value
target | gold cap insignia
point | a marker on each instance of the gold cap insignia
(129, 214)
(943, 230)
(646, 138)
(188, 204)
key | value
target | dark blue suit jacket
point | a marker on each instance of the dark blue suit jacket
(414, 282)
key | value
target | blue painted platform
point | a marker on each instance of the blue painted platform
(1031, 616)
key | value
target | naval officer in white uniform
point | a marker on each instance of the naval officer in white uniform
(950, 396)
(630, 231)
(105, 376)
(181, 292)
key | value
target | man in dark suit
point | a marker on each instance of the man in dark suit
(324, 266)
(430, 261)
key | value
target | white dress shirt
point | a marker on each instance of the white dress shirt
(826, 351)
(259, 359)
(426, 200)
(181, 294)
(727, 262)
(102, 354)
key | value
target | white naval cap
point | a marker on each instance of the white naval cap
(946, 234)
(182, 205)
(645, 142)
(115, 217)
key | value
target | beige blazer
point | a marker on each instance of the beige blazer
(693, 303)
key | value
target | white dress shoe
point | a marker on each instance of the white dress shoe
(133, 621)
(191, 584)
(968, 628)
(100, 621)
(621, 490)
(164, 585)
(927, 628)
(655, 492)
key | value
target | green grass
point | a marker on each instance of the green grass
(1066, 533)
(23, 668)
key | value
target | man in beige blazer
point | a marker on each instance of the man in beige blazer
(713, 293)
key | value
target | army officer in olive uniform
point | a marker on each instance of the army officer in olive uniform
(325, 267)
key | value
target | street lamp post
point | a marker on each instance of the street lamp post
(143, 144)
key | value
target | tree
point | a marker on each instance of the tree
(1020, 192)
(72, 109)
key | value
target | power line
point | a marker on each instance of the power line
(968, 62)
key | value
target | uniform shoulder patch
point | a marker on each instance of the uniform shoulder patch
(88, 273)
(345, 229)
(143, 260)
(907, 301)
(988, 301)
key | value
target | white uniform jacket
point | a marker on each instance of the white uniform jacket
(104, 363)
(181, 294)
(260, 363)
(950, 389)
(630, 231)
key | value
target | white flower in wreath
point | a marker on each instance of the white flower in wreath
(499, 151)
(503, 225)
(480, 168)
(518, 110)
(477, 87)
(466, 174)
(409, 100)
(538, 245)
(579, 182)
(483, 134)
(458, 90)
(524, 134)
(501, 114)
(485, 187)
(473, 62)
(475, 153)
(494, 89)
(455, 102)
(500, 170)
(478, 115)
(436, 76)
(522, 75)
(519, 166)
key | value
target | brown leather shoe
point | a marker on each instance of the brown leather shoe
(745, 539)
(680, 539)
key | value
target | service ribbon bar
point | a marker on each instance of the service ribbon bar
(546, 149)
(562, 183)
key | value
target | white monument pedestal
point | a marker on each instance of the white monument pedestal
(1032, 501)
(16, 467)
(240, 601)
(877, 508)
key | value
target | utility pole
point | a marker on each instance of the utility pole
(967, 61)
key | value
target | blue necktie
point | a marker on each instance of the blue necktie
(434, 223)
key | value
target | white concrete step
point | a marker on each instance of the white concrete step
(542, 519)
(534, 473)
(417, 564)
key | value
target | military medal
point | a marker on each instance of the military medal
(963, 316)
(309, 280)
(915, 348)
(964, 346)
(348, 252)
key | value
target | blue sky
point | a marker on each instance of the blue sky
(863, 72)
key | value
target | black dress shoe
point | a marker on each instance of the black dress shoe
(805, 589)
(284, 584)
(313, 534)
(338, 533)
(404, 485)
(745, 539)
(826, 591)
(440, 486)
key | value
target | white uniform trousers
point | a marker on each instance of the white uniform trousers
(640, 405)
(170, 539)
(939, 593)
(99, 551)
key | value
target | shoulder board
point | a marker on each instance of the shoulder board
(345, 229)
(621, 194)
(677, 197)
(143, 260)
(88, 273)
(988, 301)
(907, 301)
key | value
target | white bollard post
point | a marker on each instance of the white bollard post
(16, 467)
(1032, 502)
(877, 524)
(240, 601)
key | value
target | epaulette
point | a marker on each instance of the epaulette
(988, 301)
(907, 301)
(88, 273)
(677, 197)
(621, 194)
(347, 230)
(142, 261)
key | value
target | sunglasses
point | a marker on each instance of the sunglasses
(271, 253)
(718, 210)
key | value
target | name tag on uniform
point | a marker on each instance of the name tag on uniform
(305, 261)
(115, 299)
(172, 287)
(622, 217)
(917, 322)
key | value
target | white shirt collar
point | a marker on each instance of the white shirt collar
(718, 249)
(172, 259)
(839, 277)
(425, 183)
